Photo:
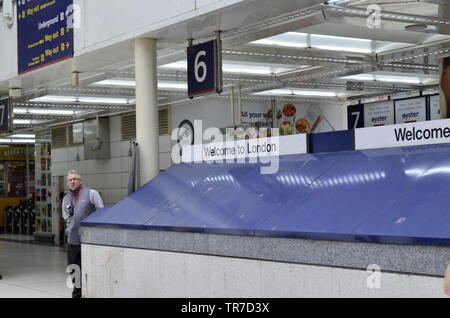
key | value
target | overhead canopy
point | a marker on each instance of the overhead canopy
(396, 195)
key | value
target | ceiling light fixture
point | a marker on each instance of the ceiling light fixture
(23, 136)
(22, 121)
(81, 99)
(44, 111)
(318, 41)
(16, 141)
(28, 121)
(102, 100)
(240, 67)
(54, 99)
(297, 92)
(116, 82)
(390, 77)
(119, 82)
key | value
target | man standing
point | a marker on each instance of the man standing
(77, 205)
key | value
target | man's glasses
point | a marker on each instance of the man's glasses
(74, 179)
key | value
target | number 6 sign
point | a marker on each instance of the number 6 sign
(204, 68)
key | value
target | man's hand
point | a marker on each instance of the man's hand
(447, 281)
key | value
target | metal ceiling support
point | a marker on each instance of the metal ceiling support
(89, 91)
(386, 15)
(70, 106)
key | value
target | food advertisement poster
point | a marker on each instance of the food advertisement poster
(302, 119)
(290, 118)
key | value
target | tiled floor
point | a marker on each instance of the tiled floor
(31, 270)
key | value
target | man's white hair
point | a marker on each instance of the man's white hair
(73, 172)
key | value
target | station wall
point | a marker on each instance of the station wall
(108, 176)
(129, 272)
(8, 51)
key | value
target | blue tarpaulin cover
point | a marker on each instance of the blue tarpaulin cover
(396, 195)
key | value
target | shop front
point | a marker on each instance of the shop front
(16, 182)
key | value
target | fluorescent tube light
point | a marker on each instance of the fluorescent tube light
(23, 141)
(257, 68)
(23, 136)
(339, 43)
(19, 110)
(178, 65)
(54, 98)
(22, 121)
(288, 39)
(16, 141)
(102, 100)
(318, 41)
(238, 67)
(297, 92)
(172, 85)
(81, 99)
(132, 83)
(51, 112)
(405, 78)
(116, 82)
(43, 111)
(18, 121)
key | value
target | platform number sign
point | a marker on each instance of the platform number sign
(204, 68)
(355, 116)
(4, 115)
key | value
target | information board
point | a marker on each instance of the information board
(379, 114)
(44, 32)
(410, 110)
(435, 107)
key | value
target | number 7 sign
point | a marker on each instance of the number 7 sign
(4, 115)
(355, 116)
(204, 68)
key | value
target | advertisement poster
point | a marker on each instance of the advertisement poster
(410, 110)
(298, 119)
(435, 107)
(257, 115)
(379, 114)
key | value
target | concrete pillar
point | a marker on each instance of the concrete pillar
(147, 131)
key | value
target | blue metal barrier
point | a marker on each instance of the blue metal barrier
(397, 195)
